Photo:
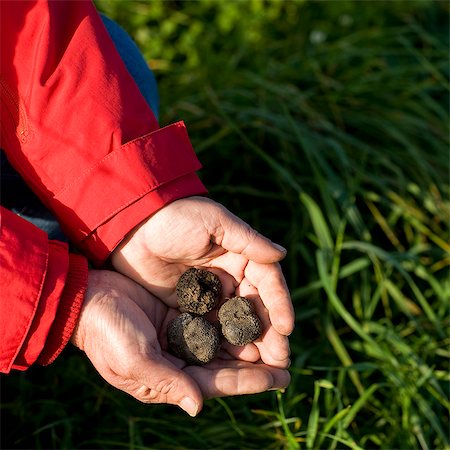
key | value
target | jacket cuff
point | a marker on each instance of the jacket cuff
(99, 245)
(121, 178)
(68, 310)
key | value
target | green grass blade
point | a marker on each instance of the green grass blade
(291, 440)
(313, 421)
(342, 352)
(356, 407)
(335, 302)
(318, 222)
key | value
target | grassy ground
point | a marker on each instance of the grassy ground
(325, 126)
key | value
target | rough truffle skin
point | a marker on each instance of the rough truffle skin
(198, 291)
(193, 339)
(240, 324)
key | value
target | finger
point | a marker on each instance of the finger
(267, 346)
(272, 289)
(226, 378)
(163, 382)
(272, 346)
(233, 234)
(229, 267)
(227, 278)
(248, 352)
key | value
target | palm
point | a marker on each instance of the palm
(171, 245)
(122, 329)
(119, 331)
(198, 232)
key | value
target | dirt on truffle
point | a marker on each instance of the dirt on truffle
(198, 291)
(240, 324)
(193, 339)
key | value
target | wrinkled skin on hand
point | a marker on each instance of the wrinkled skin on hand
(198, 232)
(122, 330)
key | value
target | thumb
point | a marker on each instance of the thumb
(164, 383)
(236, 236)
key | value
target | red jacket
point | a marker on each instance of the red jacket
(75, 126)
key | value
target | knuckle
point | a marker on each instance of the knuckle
(249, 235)
(167, 386)
(160, 393)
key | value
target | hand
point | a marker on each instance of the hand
(122, 331)
(199, 232)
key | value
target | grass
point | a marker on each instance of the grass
(331, 119)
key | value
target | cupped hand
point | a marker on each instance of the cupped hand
(198, 232)
(122, 330)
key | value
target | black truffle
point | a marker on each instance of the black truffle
(198, 291)
(240, 324)
(193, 339)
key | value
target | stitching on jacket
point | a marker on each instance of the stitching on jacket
(137, 197)
(173, 125)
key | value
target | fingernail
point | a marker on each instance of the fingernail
(190, 406)
(279, 247)
(281, 390)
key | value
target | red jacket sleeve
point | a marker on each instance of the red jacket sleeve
(76, 127)
(41, 295)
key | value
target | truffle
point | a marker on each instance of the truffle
(240, 324)
(198, 291)
(193, 339)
